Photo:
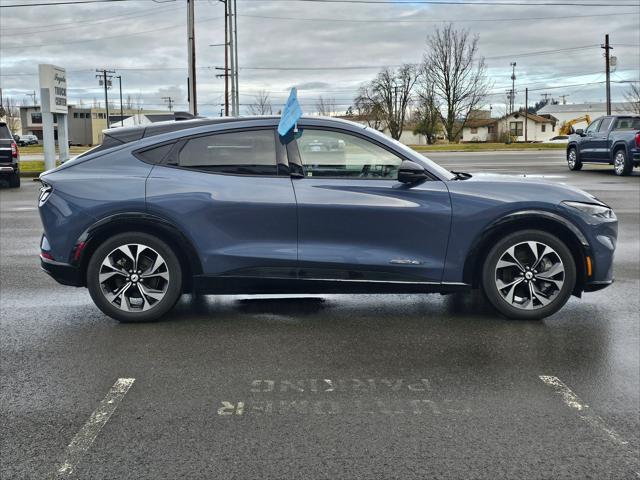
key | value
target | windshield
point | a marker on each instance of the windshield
(433, 166)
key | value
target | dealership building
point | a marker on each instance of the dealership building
(87, 123)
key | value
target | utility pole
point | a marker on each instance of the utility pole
(232, 61)
(607, 63)
(526, 112)
(105, 80)
(119, 77)
(33, 97)
(235, 54)
(226, 58)
(170, 101)
(546, 97)
(191, 52)
(513, 85)
(564, 99)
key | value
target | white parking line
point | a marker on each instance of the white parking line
(90, 430)
(573, 401)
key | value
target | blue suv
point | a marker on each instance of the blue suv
(227, 206)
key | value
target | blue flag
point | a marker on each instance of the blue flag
(291, 113)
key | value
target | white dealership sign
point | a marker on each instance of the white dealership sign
(54, 79)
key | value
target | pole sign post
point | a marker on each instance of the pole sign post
(53, 95)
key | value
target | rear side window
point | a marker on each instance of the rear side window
(627, 123)
(250, 152)
(155, 154)
(4, 131)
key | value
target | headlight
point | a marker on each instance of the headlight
(592, 209)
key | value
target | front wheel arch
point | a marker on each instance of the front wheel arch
(544, 221)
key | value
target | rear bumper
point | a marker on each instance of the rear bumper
(62, 273)
(9, 169)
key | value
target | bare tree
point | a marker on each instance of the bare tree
(368, 110)
(632, 96)
(325, 106)
(262, 105)
(390, 94)
(427, 114)
(11, 114)
(458, 75)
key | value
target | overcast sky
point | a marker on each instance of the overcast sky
(313, 46)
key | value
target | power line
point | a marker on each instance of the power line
(6, 32)
(451, 2)
(431, 20)
(69, 2)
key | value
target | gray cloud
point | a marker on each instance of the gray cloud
(146, 43)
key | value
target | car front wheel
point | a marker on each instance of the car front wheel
(573, 160)
(529, 275)
(134, 277)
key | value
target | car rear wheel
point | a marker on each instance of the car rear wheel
(134, 277)
(621, 163)
(529, 275)
(573, 160)
(14, 180)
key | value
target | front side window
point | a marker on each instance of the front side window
(334, 154)
(593, 126)
(250, 152)
(606, 123)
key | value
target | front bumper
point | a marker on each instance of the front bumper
(62, 273)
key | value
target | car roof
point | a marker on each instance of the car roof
(115, 136)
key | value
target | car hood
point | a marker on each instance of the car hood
(544, 189)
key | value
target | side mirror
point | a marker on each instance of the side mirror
(410, 172)
(580, 132)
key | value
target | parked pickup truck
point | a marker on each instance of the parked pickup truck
(9, 157)
(612, 139)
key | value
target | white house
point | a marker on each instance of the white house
(569, 111)
(480, 130)
(538, 128)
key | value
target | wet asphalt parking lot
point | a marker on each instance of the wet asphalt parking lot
(336, 386)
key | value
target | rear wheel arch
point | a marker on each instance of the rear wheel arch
(544, 221)
(101, 231)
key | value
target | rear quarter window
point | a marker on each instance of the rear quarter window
(4, 131)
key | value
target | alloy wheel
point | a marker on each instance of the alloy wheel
(571, 160)
(134, 277)
(619, 163)
(529, 275)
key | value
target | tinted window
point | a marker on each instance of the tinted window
(4, 131)
(248, 153)
(594, 126)
(627, 123)
(606, 123)
(333, 154)
(155, 154)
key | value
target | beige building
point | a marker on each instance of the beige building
(86, 124)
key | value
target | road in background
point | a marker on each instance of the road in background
(334, 386)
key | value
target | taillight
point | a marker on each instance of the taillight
(638, 139)
(15, 152)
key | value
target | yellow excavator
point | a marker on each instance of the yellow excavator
(567, 127)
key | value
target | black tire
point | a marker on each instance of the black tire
(496, 298)
(573, 160)
(159, 308)
(622, 164)
(14, 180)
